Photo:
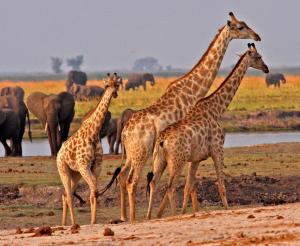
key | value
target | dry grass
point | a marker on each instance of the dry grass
(252, 95)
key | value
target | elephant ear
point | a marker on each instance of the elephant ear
(36, 106)
(2, 117)
(67, 104)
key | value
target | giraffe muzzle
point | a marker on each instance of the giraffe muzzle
(257, 37)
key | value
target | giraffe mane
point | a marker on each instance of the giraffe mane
(201, 59)
(226, 79)
(89, 113)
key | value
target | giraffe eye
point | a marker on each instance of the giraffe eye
(241, 28)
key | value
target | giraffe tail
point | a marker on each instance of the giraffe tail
(150, 176)
(115, 175)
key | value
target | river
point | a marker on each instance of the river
(40, 147)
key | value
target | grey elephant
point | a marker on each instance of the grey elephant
(110, 132)
(136, 80)
(105, 126)
(56, 113)
(126, 114)
(10, 129)
(109, 129)
(275, 79)
(75, 77)
(86, 92)
(19, 107)
(13, 91)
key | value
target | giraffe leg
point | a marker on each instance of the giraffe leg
(91, 180)
(122, 182)
(132, 181)
(65, 210)
(158, 168)
(172, 192)
(190, 188)
(67, 197)
(218, 158)
(162, 205)
(175, 170)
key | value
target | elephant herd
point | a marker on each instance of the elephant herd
(56, 112)
(76, 85)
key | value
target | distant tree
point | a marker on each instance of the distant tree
(149, 64)
(56, 63)
(75, 62)
(169, 67)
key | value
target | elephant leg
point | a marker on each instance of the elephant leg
(109, 141)
(22, 130)
(6, 147)
(112, 143)
(118, 137)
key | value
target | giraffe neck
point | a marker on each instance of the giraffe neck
(219, 101)
(187, 90)
(96, 119)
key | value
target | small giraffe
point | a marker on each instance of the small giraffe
(81, 155)
(198, 136)
(139, 133)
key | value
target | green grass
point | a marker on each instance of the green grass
(263, 159)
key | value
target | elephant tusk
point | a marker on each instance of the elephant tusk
(46, 127)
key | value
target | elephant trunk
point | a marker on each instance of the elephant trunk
(53, 133)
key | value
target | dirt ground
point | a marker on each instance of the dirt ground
(275, 225)
(256, 177)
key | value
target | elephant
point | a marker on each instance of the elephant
(19, 107)
(111, 133)
(275, 79)
(56, 112)
(75, 77)
(86, 92)
(120, 125)
(13, 91)
(109, 129)
(134, 81)
(105, 126)
(10, 129)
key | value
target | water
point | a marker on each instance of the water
(41, 146)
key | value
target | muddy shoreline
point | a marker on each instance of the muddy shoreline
(232, 121)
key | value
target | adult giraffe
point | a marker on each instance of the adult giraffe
(140, 132)
(198, 136)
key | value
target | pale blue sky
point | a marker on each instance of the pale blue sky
(112, 34)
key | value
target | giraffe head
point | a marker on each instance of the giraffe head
(255, 59)
(240, 30)
(112, 82)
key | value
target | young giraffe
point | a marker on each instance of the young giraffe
(139, 134)
(198, 136)
(81, 155)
